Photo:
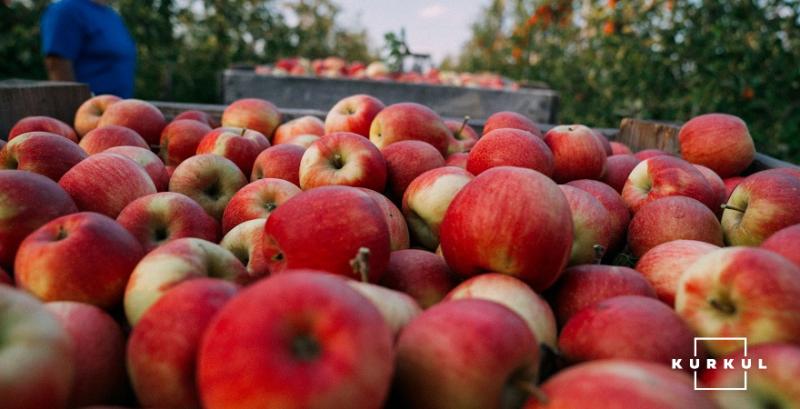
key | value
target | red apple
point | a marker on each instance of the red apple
(162, 350)
(730, 185)
(398, 229)
(508, 119)
(42, 124)
(619, 148)
(304, 125)
(5, 279)
(458, 160)
(148, 160)
(426, 200)
(245, 242)
(377, 70)
(198, 116)
(179, 140)
(397, 308)
(663, 176)
(353, 114)
(577, 153)
(252, 113)
(627, 327)
(84, 257)
(717, 188)
(527, 240)
(586, 285)
(343, 158)
(603, 141)
(173, 263)
(89, 113)
(141, 116)
(106, 182)
(405, 160)
(303, 141)
(27, 201)
(741, 292)
(464, 354)
(650, 153)
(518, 297)
(592, 226)
(510, 147)
(672, 218)
(162, 217)
(619, 215)
(241, 146)
(618, 168)
(421, 274)
(409, 121)
(210, 180)
(256, 201)
(464, 136)
(663, 265)
(104, 137)
(280, 162)
(718, 141)
(785, 242)
(41, 152)
(761, 205)
(37, 362)
(617, 383)
(775, 385)
(296, 236)
(98, 349)
(318, 343)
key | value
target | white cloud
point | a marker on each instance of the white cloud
(432, 11)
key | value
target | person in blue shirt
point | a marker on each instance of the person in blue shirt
(87, 41)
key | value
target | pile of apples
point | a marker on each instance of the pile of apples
(335, 67)
(388, 258)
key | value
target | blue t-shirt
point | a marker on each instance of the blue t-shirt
(95, 39)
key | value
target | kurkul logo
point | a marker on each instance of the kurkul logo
(744, 363)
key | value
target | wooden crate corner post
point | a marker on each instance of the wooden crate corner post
(641, 134)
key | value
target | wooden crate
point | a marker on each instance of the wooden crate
(21, 98)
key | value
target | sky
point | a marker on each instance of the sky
(436, 27)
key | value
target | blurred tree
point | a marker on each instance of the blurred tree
(661, 59)
(395, 49)
(20, 44)
(318, 35)
(488, 48)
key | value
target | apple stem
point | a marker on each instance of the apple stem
(599, 252)
(727, 206)
(243, 131)
(532, 390)
(725, 307)
(463, 124)
(360, 264)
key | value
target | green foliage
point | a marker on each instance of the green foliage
(657, 59)
(183, 45)
(395, 49)
(20, 45)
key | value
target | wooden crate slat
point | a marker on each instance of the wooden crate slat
(21, 98)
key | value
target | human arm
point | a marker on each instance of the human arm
(58, 68)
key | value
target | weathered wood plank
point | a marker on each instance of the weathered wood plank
(641, 134)
(21, 98)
